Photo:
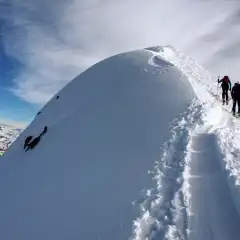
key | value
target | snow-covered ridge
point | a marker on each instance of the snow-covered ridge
(135, 149)
(105, 132)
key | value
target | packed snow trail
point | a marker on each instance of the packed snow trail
(213, 214)
(164, 212)
(215, 205)
(213, 198)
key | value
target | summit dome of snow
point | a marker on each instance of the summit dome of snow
(105, 131)
(137, 147)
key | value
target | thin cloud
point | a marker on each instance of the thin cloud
(56, 40)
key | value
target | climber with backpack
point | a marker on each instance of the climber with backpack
(31, 143)
(236, 97)
(226, 85)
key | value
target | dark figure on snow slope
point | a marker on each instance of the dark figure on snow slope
(33, 143)
(226, 85)
(30, 144)
(236, 97)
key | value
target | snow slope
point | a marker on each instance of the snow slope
(138, 147)
(86, 178)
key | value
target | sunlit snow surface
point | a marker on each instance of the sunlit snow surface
(137, 148)
(105, 132)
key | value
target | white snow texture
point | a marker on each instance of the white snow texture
(137, 147)
(8, 134)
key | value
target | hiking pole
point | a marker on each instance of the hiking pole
(217, 85)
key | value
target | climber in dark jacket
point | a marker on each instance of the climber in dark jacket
(30, 144)
(226, 85)
(236, 97)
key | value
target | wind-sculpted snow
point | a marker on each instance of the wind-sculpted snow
(106, 130)
(202, 81)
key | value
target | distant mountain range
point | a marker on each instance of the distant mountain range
(8, 134)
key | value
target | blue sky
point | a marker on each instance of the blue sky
(44, 44)
(13, 110)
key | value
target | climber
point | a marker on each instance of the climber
(226, 85)
(30, 144)
(236, 97)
